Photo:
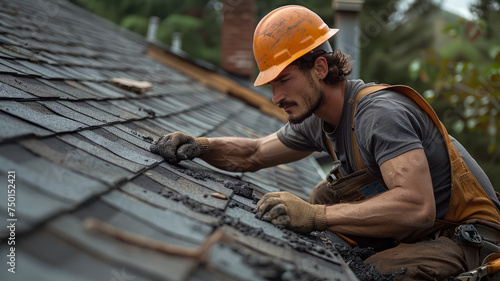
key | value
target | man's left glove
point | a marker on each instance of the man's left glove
(179, 146)
(286, 209)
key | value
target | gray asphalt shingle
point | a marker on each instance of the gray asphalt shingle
(50, 177)
(41, 115)
(12, 127)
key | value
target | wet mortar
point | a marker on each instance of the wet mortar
(354, 258)
(234, 204)
(241, 189)
(150, 112)
(272, 269)
(203, 176)
(147, 139)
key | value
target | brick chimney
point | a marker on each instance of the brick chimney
(238, 26)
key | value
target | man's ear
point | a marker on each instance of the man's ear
(321, 67)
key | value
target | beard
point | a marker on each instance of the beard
(312, 102)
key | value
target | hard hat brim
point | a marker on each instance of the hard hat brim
(271, 73)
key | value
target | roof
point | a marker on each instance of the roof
(76, 149)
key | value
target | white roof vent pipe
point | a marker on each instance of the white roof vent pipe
(176, 42)
(152, 29)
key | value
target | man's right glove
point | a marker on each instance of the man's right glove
(179, 146)
(288, 210)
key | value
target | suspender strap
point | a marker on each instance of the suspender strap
(332, 153)
(358, 161)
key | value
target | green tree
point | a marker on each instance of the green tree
(135, 23)
(197, 40)
(391, 37)
(464, 79)
(194, 19)
(488, 10)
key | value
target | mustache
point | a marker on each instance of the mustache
(284, 104)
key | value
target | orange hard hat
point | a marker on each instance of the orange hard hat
(284, 35)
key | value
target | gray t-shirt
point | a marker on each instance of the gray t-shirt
(387, 124)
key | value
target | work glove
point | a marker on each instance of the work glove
(286, 209)
(179, 146)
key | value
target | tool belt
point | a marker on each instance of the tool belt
(357, 186)
(478, 240)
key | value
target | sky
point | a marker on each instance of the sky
(460, 7)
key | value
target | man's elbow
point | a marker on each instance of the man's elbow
(427, 222)
(419, 220)
(425, 217)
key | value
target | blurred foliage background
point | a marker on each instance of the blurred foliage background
(453, 62)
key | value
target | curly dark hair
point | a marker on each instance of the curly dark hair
(339, 66)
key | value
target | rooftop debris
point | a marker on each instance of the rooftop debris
(218, 195)
(132, 85)
(200, 253)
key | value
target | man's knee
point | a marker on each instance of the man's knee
(316, 192)
(322, 194)
(429, 260)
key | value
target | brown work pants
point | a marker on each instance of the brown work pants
(434, 259)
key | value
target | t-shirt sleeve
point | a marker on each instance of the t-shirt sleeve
(300, 136)
(386, 128)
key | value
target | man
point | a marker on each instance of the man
(399, 143)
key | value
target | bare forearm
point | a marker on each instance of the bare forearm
(232, 154)
(248, 155)
(382, 216)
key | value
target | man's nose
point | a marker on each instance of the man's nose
(277, 97)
